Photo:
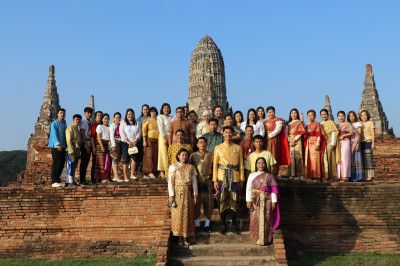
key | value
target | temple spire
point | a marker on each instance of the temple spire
(91, 105)
(370, 102)
(328, 107)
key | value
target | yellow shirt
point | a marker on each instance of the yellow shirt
(228, 154)
(150, 128)
(251, 160)
(73, 138)
(367, 132)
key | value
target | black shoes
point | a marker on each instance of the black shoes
(83, 183)
(207, 229)
(74, 184)
(197, 229)
(223, 229)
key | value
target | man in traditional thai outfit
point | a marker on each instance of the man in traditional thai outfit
(250, 164)
(183, 124)
(73, 137)
(202, 161)
(247, 145)
(58, 143)
(262, 199)
(228, 177)
(276, 140)
(213, 137)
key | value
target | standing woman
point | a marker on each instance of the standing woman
(276, 140)
(347, 142)
(237, 132)
(150, 144)
(192, 117)
(367, 145)
(262, 200)
(114, 146)
(163, 120)
(261, 114)
(258, 127)
(314, 143)
(182, 189)
(131, 132)
(203, 127)
(332, 150)
(144, 114)
(296, 132)
(356, 159)
(103, 164)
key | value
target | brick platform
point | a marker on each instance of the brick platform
(108, 220)
(350, 217)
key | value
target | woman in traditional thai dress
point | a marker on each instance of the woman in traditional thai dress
(258, 126)
(203, 127)
(175, 148)
(296, 132)
(103, 160)
(314, 144)
(261, 114)
(163, 120)
(367, 145)
(150, 144)
(262, 199)
(356, 160)
(238, 133)
(182, 189)
(143, 116)
(347, 142)
(238, 117)
(114, 146)
(332, 151)
(276, 140)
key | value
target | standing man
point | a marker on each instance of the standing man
(74, 140)
(250, 164)
(247, 145)
(58, 144)
(213, 137)
(86, 146)
(219, 115)
(183, 124)
(202, 161)
(228, 177)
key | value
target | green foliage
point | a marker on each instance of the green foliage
(11, 163)
(355, 259)
(141, 260)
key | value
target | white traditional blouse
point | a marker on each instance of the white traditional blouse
(249, 188)
(163, 124)
(171, 180)
(104, 131)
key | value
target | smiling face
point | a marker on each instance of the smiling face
(311, 116)
(271, 114)
(99, 117)
(153, 114)
(202, 144)
(238, 118)
(341, 117)
(192, 117)
(180, 113)
(352, 117)
(249, 132)
(260, 165)
(206, 118)
(117, 119)
(166, 110)
(130, 116)
(260, 114)
(76, 121)
(293, 115)
(324, 116)
(364, 116)
(179, 136)
(213, 126)
(228, 121)
(183, 157)
(61, 115)
(88, 115)
(145, 110)
(252, 116)
(106, 120)
(228, 134)
(218, 113)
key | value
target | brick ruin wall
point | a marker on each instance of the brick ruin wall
(118, 221)
(349, 217)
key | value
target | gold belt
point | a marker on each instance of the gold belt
(183, 184)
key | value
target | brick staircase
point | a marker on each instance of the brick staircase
(230, 249)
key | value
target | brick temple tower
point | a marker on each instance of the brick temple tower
(207, 88)
(91, 105)
(370, 101)
(39, 155)
(328, 107)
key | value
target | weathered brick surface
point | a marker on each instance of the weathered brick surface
(350, 217)
(387, 160)
(112, 220)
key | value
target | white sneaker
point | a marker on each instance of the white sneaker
(57, 185)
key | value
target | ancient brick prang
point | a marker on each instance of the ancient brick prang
(91, 105)
(328, 107)
(38, 164)
(207, 88)
(370, 102)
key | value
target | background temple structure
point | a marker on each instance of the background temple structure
(328, 107)
(39, 160)
(91, 105)
(370, 101)
(207, 87)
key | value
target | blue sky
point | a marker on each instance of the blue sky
(282, 53)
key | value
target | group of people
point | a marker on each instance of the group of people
(214, 157)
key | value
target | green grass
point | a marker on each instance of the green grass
(141, 260)
(356, 259)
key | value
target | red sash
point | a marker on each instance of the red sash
(270, 125)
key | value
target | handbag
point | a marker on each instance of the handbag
(133, 150)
